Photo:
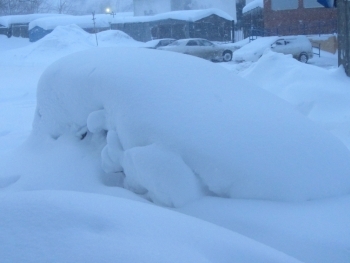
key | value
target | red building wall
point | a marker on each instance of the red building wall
(299, 21)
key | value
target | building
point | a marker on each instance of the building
(288, 17)
(212, 24)
(17, 25)
(152, 7)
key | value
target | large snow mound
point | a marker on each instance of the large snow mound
(59, 226)
(207, 133)
(310, 92)
(65, 40)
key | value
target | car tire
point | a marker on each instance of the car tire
(227, 56)
(303, 57)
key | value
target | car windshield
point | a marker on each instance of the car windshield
(192, 43)
(205, 43)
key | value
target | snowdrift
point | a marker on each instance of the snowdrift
(210, 133)
(62, 41)
(59, 226)
(321, 95)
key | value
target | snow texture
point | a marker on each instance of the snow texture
(58, 205)
(49, 23)
(165, 136)
(24, 19)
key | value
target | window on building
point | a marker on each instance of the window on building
(284, 4)
(311, 4)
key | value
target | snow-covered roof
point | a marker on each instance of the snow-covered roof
(19, 19)
(104, 20)
(47, 23)
(252, 5)
(189, 15)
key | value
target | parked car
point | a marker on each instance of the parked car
(298, 46)
(200, 48)
(156, 43)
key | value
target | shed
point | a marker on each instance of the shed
(17, 25)
(212, 24)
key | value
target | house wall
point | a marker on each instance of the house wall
(3, 30)
(300, 20)
(213, 28)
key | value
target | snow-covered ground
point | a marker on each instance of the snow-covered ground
(125, 154)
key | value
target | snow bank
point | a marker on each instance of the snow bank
(252, 5)
(116, 38)
(17, 42)
(60, 226)
(321, 226)
(62, 41)
(203, 134)
(253, 50)
(321, 95)
(49, 23)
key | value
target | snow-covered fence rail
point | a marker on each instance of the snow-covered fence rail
(314, 28)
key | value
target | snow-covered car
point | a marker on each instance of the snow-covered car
(200, 48)
(298, 46)
(156, 43)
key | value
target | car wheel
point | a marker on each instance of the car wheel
(227, 56)
(303, 57)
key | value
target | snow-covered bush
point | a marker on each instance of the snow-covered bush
(199, 130)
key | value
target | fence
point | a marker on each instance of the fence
(312, 28)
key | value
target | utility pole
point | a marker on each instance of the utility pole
(343, 7)
(93, 19)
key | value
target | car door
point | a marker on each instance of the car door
(208, 49)
(193, 48)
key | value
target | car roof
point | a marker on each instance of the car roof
(188, 39)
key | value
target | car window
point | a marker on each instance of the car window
(175, 43)
(280, 42)
(205, 43)
(192, 43)
(169, 41)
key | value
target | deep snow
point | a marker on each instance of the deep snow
(58, 203)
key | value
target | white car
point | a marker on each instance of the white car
(157, 43)
(298, 46)
(200, 48)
